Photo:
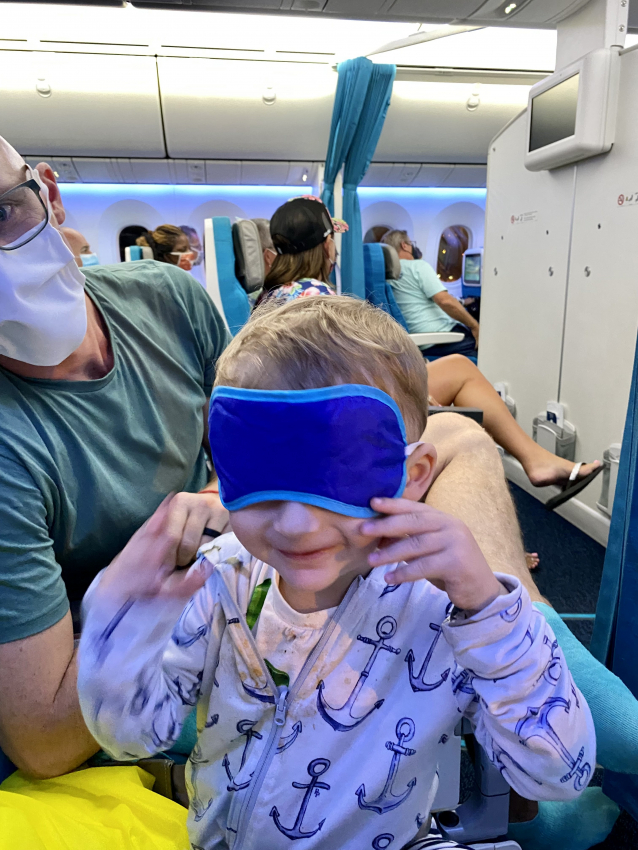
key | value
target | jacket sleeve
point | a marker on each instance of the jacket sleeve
(526, 710)
(141, 667)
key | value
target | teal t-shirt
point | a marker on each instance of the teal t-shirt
(413, 292)
(84, 463)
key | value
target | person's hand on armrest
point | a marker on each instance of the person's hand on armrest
(453, 307)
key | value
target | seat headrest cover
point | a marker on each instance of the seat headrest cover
(392, 262)
(249, 257)
(349, 446)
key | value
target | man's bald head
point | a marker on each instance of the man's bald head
(77, 243)
(13, 168)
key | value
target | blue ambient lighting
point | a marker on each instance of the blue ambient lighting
(244, 191)
(163, 188)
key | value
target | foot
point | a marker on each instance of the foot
(532, 560)
(548, 469)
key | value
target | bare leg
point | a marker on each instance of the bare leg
(470, 484)
(456, 380)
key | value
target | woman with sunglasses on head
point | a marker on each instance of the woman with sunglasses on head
(302, 233)
(169, 244)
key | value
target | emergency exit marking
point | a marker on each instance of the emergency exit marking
(628, 200)
(524, 218)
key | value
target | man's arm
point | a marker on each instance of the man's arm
(453, 307)
(41, 726)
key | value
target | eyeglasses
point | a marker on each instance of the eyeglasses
(23, 215)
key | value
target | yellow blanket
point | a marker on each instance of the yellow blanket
(102, 808)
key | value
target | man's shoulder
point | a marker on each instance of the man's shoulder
(141, 275)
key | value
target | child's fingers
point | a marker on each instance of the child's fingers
(408, 549)
(422, 568)
(413, 522)
(183, 584)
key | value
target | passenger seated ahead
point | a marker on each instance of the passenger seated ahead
(169, 244)
(297, 628)
(426, 304)
(302, 234)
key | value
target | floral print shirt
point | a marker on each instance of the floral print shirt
(297, 289)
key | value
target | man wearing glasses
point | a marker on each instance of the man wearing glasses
(104, 374)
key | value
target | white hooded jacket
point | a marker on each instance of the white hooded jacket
(350, 749)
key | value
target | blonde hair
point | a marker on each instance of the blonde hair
(395, 238)
(286, 268)
(324, 341)
(162, 241)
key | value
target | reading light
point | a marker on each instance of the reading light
(509, 8)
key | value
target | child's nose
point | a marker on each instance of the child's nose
(296, 518)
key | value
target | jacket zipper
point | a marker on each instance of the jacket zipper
(284, 701)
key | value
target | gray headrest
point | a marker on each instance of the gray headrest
(249, 259)
(392, 262)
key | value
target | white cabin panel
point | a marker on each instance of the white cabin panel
(225, 109)
(527, 237)
(89, 105)
(602, 299)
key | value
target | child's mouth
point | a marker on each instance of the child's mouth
(308, 555)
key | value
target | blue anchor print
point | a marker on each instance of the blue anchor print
(511, 613)
(166, 740)
(181, 635)
(575, 695)
(462, 681)
(389, 589)
(102, 641)
(191, 696)
(553, 668)
(381, 842)
(315, 769)
(420, 820)
(386, 801)
(418, 682)
(212, 722)
(386, 628)
(538, 720)
(199, 808)
(244, 727)
(530, 637)
(258, 693)
(498, 760)
(289, 740)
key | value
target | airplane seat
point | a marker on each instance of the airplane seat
(379, 290)
(249, 257)
(225, 290)
(137, 252)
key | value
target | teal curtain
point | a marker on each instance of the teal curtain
(615, 638)
(352, 85)
(357, 163)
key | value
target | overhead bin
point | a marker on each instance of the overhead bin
(240, 109)
(431, 120)
(81, 104)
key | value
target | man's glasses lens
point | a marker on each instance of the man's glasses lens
(22, 215)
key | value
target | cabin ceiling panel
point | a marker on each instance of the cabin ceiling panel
(225, 109)
(81, 104)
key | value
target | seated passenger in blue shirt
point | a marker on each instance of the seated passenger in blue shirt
(426, 304)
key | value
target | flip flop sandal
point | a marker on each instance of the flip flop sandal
(573, 486)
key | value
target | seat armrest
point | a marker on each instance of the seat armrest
(436, 338)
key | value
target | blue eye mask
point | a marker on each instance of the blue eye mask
(334, 447)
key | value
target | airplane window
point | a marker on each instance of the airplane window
(376, 233)
(452, 245)
(128, 235)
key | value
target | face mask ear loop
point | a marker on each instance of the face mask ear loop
(35, 175)
(412, 447)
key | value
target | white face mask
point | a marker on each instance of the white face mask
(42, 301)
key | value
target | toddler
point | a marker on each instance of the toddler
(333, 641)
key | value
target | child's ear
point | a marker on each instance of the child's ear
(421, 465)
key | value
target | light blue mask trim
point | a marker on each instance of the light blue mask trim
(305, 498)
(319, 394)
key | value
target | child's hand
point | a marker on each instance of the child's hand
(434, 546)
(147, 566)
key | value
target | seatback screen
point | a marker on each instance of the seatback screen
(554, 114)
(472, 269)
